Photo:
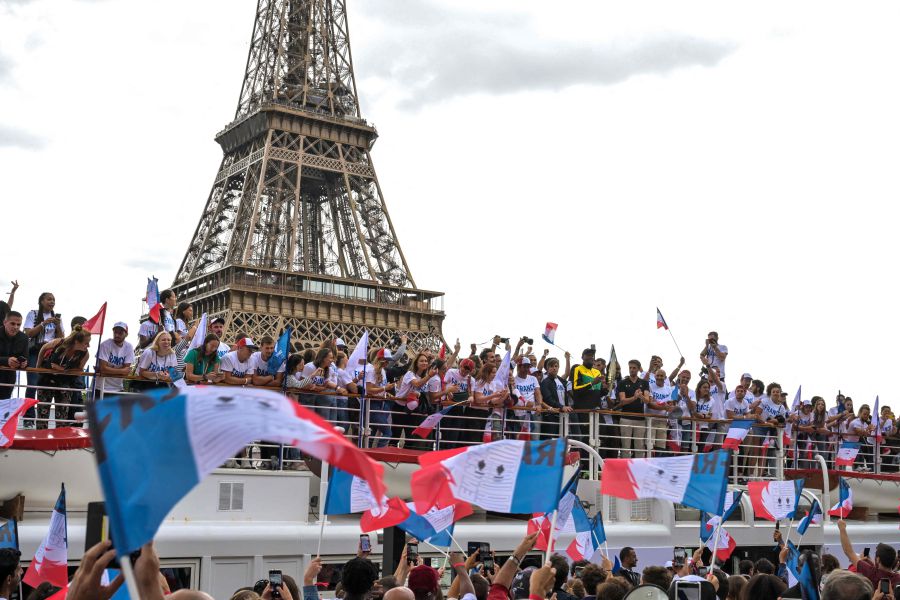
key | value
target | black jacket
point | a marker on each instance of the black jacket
(550, 395)
(11, 347)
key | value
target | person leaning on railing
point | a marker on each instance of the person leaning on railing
(13, 352)
(114, 358)
(554, 396)
(156, 362)
(201, 364)
(587, 393)
(69, 355)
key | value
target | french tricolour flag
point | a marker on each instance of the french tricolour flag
(698, 480)
(846, 454)
(813, 516)
(709, 522)
(152, 299)
(660, 321)
(436, 525)
(10, 411)
(550, 332)
(725, 546)
(348, 494)
(540, 524)
(51, 559)
(737, 431)
(568, 499)
(508, 476)
(430, 422)
(589, 534)
(845, 500)
(179, 436)
(775, 500)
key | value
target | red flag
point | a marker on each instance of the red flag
(10, 411)
(443, 352)
(540, 524)
(95, 323)
(392, 512)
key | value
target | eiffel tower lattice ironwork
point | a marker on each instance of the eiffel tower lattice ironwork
(295, 231)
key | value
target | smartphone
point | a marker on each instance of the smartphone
(97, 530)
(473, 547)
(412, 553)
(777, 525)
(866, 552)
(487, 559)
(687, 590)
(275, 582)
(702, 571)
(884, 586)
(365, 544)
(679, 555)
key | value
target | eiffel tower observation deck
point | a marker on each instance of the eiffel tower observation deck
(295, 231)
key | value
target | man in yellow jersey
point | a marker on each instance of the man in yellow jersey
(587, 391)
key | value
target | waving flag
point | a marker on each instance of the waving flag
(793, 573)
(10, 411)
(788, 426)
(846, 454)
(810, 590)
(568, 498)
(674, 437)
(51, 559)
(348, 494)
(280, 356)
(488, 435)
(179, 436)
(9, 534)
(775, 500)
(502, 376)
(430, 422)
(737, 431)
(435, 526)
(611, 368)
(709, 522)
(813, 516)
(698, 480)
(200, 333)
(152, 299)
(845, 500)
(589, 534)
(549, 332)
(508, 476)
(879, 434)
(660, 321)
(724, 547)
(540, 524)
(387, 514)
(358, 361)
(95, 323)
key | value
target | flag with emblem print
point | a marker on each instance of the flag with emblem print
(775, 500)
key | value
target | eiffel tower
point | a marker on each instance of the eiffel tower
(295, 231)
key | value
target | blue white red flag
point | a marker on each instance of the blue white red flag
(737, 431)
(430, 422)
(508, 476)
(435, 526)
(786, 433)
(793, 573)
(179, 436)
(846, 454)
(709, 522)
(540, 522)
(813, 516)
(879, 434)
(152, 299)
(660, 321)
(699, 480)
(10, 411)
(845, 500)
(348, 494)
(51, 559)
(550, 332)
(775, 500)
(280, 355)
(589, 534)
(9, 534)
(725, 545)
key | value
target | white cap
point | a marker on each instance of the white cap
(121, 325)
(668, 564)
(339, 342)
(524, 361)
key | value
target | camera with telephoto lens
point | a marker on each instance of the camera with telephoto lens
(504, 340)
(395, 340)
(528, 340)
(704, 372)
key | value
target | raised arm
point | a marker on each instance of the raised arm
(846, 546)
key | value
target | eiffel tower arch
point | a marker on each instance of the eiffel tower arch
(295, 231)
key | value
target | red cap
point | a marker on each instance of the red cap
(423, 579)
(246, 343)
(384, 353)
(467, 363)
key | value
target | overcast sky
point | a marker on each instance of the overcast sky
(576, 162)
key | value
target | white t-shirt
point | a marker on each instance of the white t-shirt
(856, 423)
(738, 408)
(715, 361)
(49, 332)
(168, 321)
(320, 380)
(222, 350)
(526, 387)
(157, 364)
(372, 379)
(181, 327)
(230, 363)
(407, 388)
(454, 377)
(116, 356)
(434, 384)
(661, 395)
(261, 367)
(770, 409)
(148, 329)
(718, 402)
(804, 419)
(344, 377)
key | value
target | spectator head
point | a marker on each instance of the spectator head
(46, 302)
(523, 366)
(746, 380)
(185, 312)
(628, 557)
(162, 343)
(245, 347)
(218, 326)
(120, 332)
(521, 584)
(10, 570)
(386, 583)
(486, 356)
(736, 585)
(294, 363)
(885, 557)
(714, 336)
(763, 567)
(745, 567)
(829, 563)
(844, 585)
(167, 299)
(684, 377)
(757, 387)
(591, 577)
(482, 587)
(764, 586)
(79, 339)
(266, 347)
(488, 370)
(562, 570)
(707, 591)
(423, 581)
(77, 321)
(740, 392)
(210, 344)
(244, 594)
(291, 584)
(722, 592)
(633, 367)
(577, 588)
(357, 577)
(587, 357)
(614, 588)
(399, 593)
(12, 323)
(43, 590)
(467, 367)
(660, 377)
(657, 576)
(186, 594)
(340, 345)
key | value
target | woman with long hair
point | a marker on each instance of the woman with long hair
(489, 398)
(41, 325)
(157, 363)
(858, 431)
(322, 386)
(345, 384)
(820, 426)
(184, 316)
(201, 364)
(770, 413)
(71, 354)
(377, 387)
(702, 411)
(410, 395)
(804, 448)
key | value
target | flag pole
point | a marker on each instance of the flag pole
(323, 491)
(445, 554)
(453, 539)
(715, 548)
(130, 581)
(674, 342)
(552, 539)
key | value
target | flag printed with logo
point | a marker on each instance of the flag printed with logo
(508, 476)
(152, 299)
(589, 534)
(95, 323)
(51, 559)
(775, 500)
(550, 332)
(814, 515)
(845, 500)
(737, 431)
(435, 526)
(698, 480)
(10, 411)
(709, 522)
(200, 333)
(280, 355)
(179, 436)
(846, 454)
(660, 321)
(430, 422)
(9, 534)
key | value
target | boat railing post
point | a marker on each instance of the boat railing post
(779, 453)
(364, 420)
(826, 487)
(876, 455)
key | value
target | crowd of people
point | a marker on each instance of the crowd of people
(475, 578)
(638, 411)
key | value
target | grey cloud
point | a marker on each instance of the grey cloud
(443, 54)
(11, 137)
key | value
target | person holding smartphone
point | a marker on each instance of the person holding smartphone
(883, 567)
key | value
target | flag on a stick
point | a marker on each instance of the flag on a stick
(660, 321)
(549, 334)
(94, 325)
(10, 411)
(845, 500)
(51, 560)
(775, 500)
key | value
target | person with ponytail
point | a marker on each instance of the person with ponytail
(376, 388)
(71, 355)
(41, 326)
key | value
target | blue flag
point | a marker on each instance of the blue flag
(813, 516)
(9, 534)
(617, 566)
(435, 526)
(808, 587)
(708, 522)
(280, 356)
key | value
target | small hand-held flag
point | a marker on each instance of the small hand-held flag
(95, 324)
(280, 356)
(10, 411)
(846, 454)
(845, 500)
(813, 516)
(51, 558)
(775, 500)
(737, 431)
(200, 332)
(430, 422)
(549, 334)
(660, 321)
(152, 299)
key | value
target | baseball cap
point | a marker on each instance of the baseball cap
(246, 343)
(467, 363)
(384, 353)
(339, 342)
(524, 361)
(591, 351)
(806, 401)
(669, 564)
(746, 376)
(121, 325)
(219, 320)
(423, 579)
